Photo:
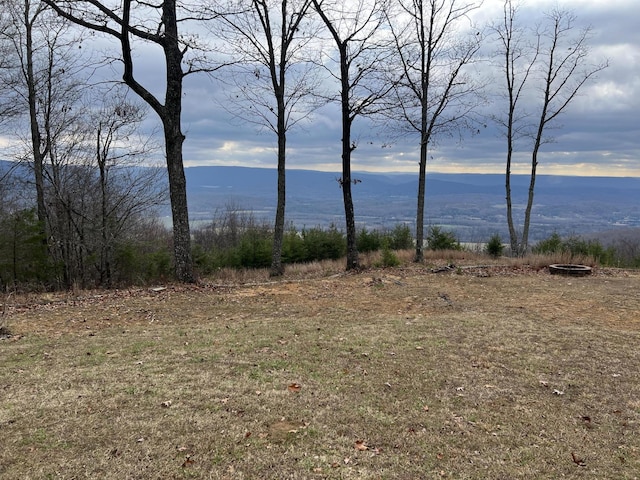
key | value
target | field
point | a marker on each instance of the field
(474, 372)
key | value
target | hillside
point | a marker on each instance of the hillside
(473, 205)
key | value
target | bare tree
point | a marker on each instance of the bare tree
(362, 52)
(556, 64)
(436, 95)
(274, 77)
(44, 83)
(127, 186)
(157, 25)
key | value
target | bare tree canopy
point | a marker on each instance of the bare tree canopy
(549, 71)
(437, 94)
(133, 24)
(357, 63)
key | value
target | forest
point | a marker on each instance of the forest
(96, 147)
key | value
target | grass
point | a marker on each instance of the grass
(499, 371)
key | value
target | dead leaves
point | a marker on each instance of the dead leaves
(294, 387)
(578, 461)
(361, 446)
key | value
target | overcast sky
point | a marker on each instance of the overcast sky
(598, 135)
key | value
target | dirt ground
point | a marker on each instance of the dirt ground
(421, 371)
(607, 296)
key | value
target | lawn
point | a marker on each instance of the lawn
(477, 372)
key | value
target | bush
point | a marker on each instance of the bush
(438, 239)
(324, 244)
(551, 245)
(368, 241)
(23, 253)
(494, 246)
(401, 238)
(255, 248)
(577, 247)
(293, 247)
(389, 259)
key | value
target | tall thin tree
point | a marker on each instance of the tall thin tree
(362, 53)
(556, 65)
(273, 75)
(436, 95)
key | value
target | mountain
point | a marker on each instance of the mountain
(472, 205)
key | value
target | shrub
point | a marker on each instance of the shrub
(23, 253)
(255, 248)
(438, 239)
(551, 245)
(577, 247)
(388, 259)
(324, 244)
(494, 246)
(401, 238)
(368, 241)
(293, 247)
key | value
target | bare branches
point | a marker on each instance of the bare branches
(548, 73)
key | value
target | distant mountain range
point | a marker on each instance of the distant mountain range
(472, 205)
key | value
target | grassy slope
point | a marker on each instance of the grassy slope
(477, 373)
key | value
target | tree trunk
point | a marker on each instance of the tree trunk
(353, 261)
(178, 197)
(171, 116)
(420, 209)
(524, 243)
(513, 234)
(277, 268)
(36, 138)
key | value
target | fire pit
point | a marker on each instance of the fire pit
(569, 269)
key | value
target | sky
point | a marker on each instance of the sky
(598, 135)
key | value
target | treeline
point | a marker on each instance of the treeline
(235, 239)
(71, 80)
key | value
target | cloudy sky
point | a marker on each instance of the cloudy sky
(598, 135)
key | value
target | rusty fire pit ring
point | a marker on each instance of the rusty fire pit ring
(569, 269)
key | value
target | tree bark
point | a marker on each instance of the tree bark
(353, 261)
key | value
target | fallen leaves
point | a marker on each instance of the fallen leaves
(294, 387)
(361, 446)
(578, 461)
(188, 461)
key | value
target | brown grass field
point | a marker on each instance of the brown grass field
(488, 371)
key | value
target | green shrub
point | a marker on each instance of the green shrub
(293, 247)
(324, 244)
(494, 246)
(23, 252)
(577, 247)
(551, 245)
(389, 259)
(255, 248)
(438, 239)
(369, 241)
(401, 238)
(141, 263)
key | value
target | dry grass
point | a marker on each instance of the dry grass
(482, 372)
